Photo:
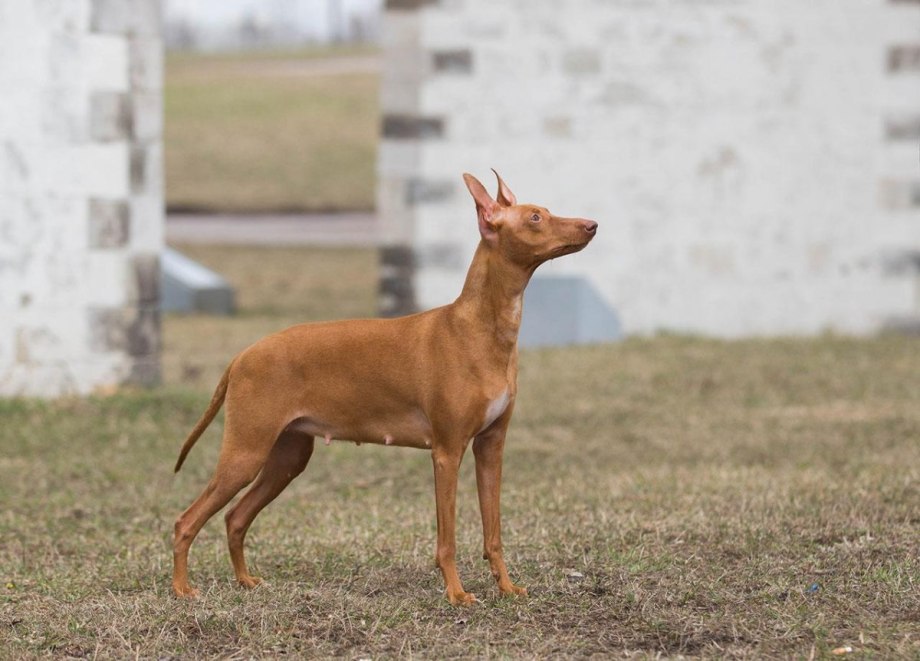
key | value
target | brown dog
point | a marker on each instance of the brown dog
(433, 380)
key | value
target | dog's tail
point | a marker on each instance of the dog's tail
(217, 400)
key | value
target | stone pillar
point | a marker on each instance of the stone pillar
(81, 195)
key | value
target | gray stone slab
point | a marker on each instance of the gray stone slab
(566, 310)
(187, 286)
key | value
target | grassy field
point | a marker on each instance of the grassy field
(669, 496)
(271, 132)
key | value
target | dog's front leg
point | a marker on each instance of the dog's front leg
(446, 466)
(488, 448)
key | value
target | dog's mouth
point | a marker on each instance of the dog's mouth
(567, 249)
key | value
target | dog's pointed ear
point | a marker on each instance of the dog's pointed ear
(505, 197)
(485, 207)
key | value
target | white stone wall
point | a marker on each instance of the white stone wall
(81, 216)
(753, 165)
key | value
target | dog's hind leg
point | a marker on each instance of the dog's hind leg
(242, 455)
(287, 460)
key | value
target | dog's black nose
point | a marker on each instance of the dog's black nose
(590, 226)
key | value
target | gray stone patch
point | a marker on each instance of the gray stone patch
(188, 286)
(899, 195)
(146, 279)
(622, 93)
(452, 61)
(420, 191)
(146, 116)
(903, 325)
(145, 68)
(902, 263)
(110, 116)
(408, 5)
(396, 293)
(126, 16)
(14, 166)
(565, 310)
(443, 255)
(33, 345)
(109, 223)
(143, 332)
(138, 171)
(902, 128)
(135, 331)
(581, 61)
(107, 330)
(904, 58)
(409, 127)
(62, 15)
(558, 127)
(399, 256)
(64, 114)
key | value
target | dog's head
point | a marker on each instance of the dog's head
(526, 234)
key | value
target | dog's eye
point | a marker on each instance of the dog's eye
(535, 218)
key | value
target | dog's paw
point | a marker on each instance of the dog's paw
(185, 591)
(249, 582)
(461, 598)
(513, 591)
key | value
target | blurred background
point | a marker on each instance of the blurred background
(754, 171)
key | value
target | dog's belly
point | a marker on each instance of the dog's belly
(411, 429)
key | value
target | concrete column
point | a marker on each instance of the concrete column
(81, 201)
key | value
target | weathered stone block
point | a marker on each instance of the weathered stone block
(558, 127)
(581, 61)
(110, 116)
(408, 5)
(423, 191)
(108, 330)
(399, 97)
(898, 195)
(146, 279)
(904, 58)
(146, 115)
(147, 222)
(109, 223)
(104, 169)
(134, 331)
(903, 128)
(396, 294)
(443, 255)
(145, 70)
(412, 127)
(64, 115)
(106, 62)
(126, 16)
(453, 61)
(143, 331)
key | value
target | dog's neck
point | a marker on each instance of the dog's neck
(492, 296)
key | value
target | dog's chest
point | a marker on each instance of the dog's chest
(495, 408)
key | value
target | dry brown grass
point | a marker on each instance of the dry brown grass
(669, 496)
